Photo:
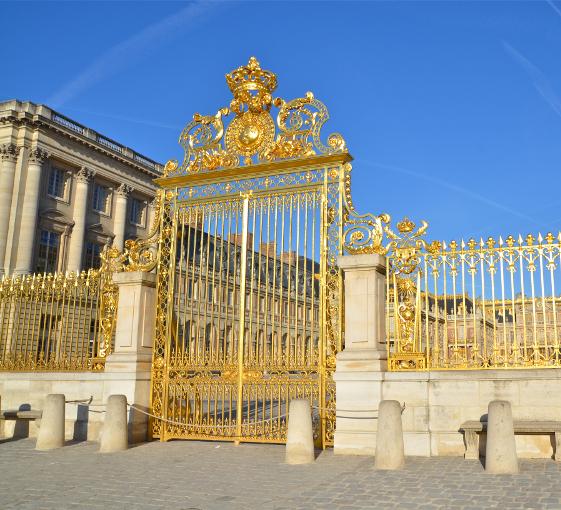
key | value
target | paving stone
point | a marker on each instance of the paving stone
(188, 475)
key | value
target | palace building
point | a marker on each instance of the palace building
(66, 191)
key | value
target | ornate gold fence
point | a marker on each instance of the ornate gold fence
(57, 322)
(472, 305)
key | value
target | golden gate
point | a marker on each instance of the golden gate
(249, 294)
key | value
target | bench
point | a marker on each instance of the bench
(472, 428)
(21, 415)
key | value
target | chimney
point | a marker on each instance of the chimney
(237, 240)
(289, 257)
(269, 249)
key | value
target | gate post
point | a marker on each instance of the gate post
(360, 366)
(128, 367)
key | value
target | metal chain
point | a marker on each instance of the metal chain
(182, 424)
(200, 426)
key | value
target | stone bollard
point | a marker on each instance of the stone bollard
(500, 451)
(389, 436)
(51, 431)
(114, 434)
(300, 435)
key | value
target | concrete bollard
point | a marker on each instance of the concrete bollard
(389, 436)
(51, 431)
(114, 434)
(500, 451)
(300, 435)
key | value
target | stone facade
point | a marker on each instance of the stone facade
(66, 191)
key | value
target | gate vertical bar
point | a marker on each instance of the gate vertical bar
(241, 331)
(322, 327)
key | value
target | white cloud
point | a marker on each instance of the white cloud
(540, 81)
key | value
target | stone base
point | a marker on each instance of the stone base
(354, 443)
(359, 382)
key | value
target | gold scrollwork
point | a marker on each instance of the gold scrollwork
(250, 136)
(404, 266)
(363, 233)
(139, 254)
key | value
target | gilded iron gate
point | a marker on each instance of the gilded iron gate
(249, 311)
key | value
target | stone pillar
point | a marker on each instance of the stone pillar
(128, 367)
(500, 450)
(75, 250)
(114, 436)
(300, 434)
(51, 431)
(30, 206)
(120, 221)
(360, 366)
(8, 157)
(389, 441)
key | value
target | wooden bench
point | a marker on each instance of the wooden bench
(472, 428)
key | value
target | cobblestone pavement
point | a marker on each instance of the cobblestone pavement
(183, 475)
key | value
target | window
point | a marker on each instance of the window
(92, 255)
(101, 198)
(57, 183)
(137, 211)
(47, 254)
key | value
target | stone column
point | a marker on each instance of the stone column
(30, 206)
(361, 364)
(120, 221)
(8, 157)
(128, 366)
(75, 250)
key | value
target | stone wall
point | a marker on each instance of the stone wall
(437, 403)
(83, 421)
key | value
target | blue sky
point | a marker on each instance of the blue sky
(452, 110)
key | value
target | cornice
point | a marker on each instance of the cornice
(37, 121)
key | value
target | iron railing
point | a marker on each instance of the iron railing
(57, 322)
(473, 305)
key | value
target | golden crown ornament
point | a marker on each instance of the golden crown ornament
(252, 136)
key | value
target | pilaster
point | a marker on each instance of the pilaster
(28, 223)
(75, 251)
(119, 224)
(8, 157)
